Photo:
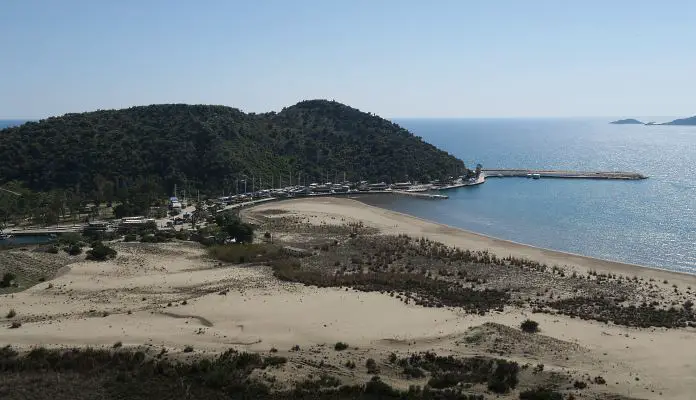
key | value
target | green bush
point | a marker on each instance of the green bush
(131, 237)
(413, 372)
(540, 394)
(100, 252)
(70, 238)
(371, 366)
(74, 249)
(530, 326)
(11, 314)
(340, 346)
(8, 279)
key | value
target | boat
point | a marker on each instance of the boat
(419, 188)
(536, 176)
(4, 236)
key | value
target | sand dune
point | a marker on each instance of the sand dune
(171, 295)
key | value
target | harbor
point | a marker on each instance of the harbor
(562, 174)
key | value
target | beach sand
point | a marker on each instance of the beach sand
(171, 295)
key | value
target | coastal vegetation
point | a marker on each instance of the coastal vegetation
(431, 274)
(100, 252)
(136, 373)
(135, 155)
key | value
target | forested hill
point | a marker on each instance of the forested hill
(209, 147)
(683, 121)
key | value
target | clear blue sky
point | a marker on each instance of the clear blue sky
(396, 58)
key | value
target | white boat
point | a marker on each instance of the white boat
(419, 188)
(536, 176)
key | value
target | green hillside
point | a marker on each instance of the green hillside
(209, 147)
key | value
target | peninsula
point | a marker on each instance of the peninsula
(683, 121)
(629, 121)
(210, 146)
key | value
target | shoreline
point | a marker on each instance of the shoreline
(502, 247)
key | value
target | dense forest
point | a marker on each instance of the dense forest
(209, 148)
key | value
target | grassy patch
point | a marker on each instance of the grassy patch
(244, 252)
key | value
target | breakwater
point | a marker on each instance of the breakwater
(524, 173)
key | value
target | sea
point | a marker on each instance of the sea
(649, 222)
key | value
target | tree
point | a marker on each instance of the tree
(234, 228)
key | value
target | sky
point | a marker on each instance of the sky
(395, 58)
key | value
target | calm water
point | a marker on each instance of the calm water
(29, 239)
(4, 123)
(650, 222)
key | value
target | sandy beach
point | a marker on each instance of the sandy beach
(391, 222)
(172, 295)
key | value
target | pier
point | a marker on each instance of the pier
(463, 183)
(421, 195)
(526, 173)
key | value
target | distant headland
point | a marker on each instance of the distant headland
(691, 121)
(683, 121)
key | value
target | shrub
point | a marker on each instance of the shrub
(7, 279)
(340, 346)
(540, 394)
(413, 372)
(188, 349)
(240, 253)
(15, 325)
(52, 250)
(599, 380)
(579, 385)
(11, 314)
(274, 361)
(74, 249)
(117, 345)
(371, 366)
(530, 326)
(100, 252)
(131, 237)
(350, 365)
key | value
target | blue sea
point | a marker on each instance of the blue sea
(4, 123)
(650, 222)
